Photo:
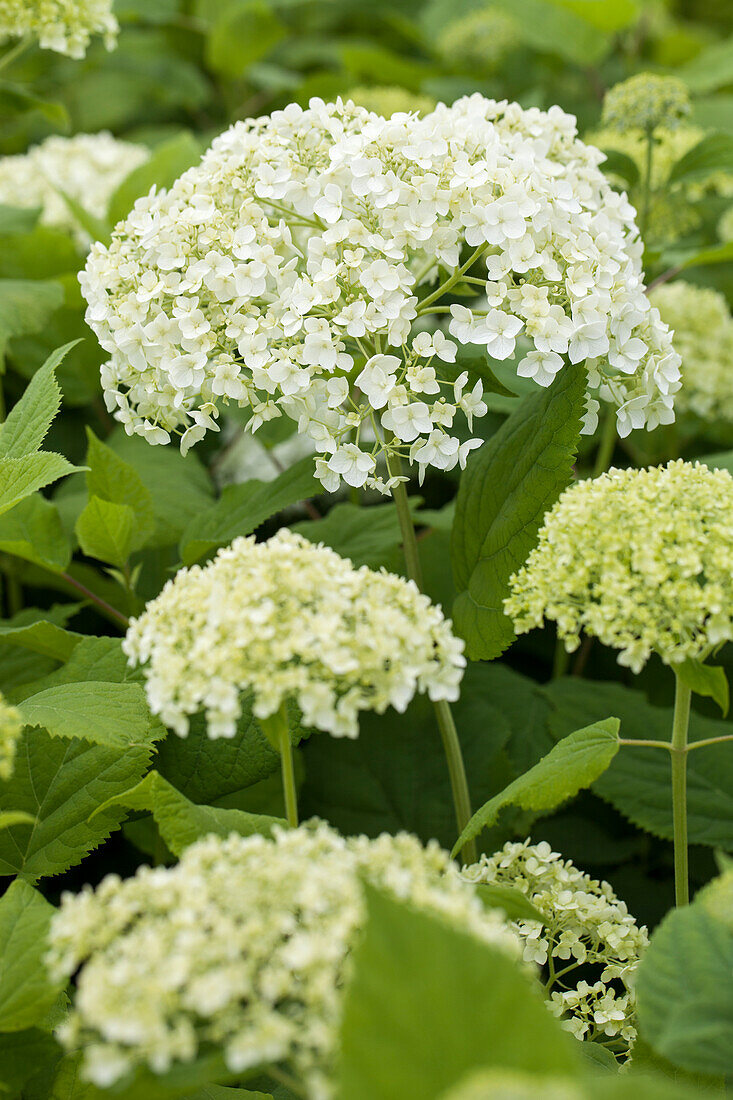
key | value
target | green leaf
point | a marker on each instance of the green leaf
(97, 229)
(638, 781)
(510, 900)
(32, 530)
(40, 636)
(106, 531)
(23, 1055)
(68, 1083)
(114, 480)
(27, 993)
(684, 988)
(29, 420)
(718, 254)
(110, 714)
(427, 1003)
(15, 817)
(367, 536)
(710, 680)
(19, 477)
(710, 69)
(244, 33)
(713, 154)
(60, 783)
(571, 766)
(180, 821)
(169, 161)
(618, 164)
(18, 219)
(25, 306)
(504, 493)
(242, 508)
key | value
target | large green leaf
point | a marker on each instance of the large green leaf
(27, 992)
(242, 508)
(112, 479)
(30, 418)
(23, 1054)
(244, 33)
(714, 153)
(19, 477)
(685, 988)
(428, 1003)
(710, 69)
(638, 780)
(571, 766)
(40, 636)
(32, 530)
(25, 306)
(507, 487)
(110, 714)
(180, 821)
(365, 536)
(60, 783)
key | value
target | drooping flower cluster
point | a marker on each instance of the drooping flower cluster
(11, 727)
(65, 26)
(646, 102)
(390, 99)
(284, 273)
(703, 335)
(87, 167)
(286, 619)
(585, 925)
(245, 943)
(641, 559)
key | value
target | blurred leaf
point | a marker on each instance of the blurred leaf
(572, 765)
(246, 31)
(97, 229)
(713, 154)
(25, 306)
(182, 822)
(400, 1038)
(18, 219)
(169, 161)
(32, 530)
(242, 508)
(711, 69)
(618, 164)
(684, 988)
(27, 992)
(105, 531)
(22, 1055)
(17, 99)
(510, 900)
(507, 487)
(104, 713)
(60, 783)
(710, 680)
(367, 536)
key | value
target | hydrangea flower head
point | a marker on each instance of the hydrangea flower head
(65, 26)
(703, 335)
(640, 559)
(87, 167)
(295, 268)
(286, 619)
(11, 727)
(586, 926)
(645, 102)
(246, 943)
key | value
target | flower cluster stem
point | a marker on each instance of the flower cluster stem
(277, 731)
(679, 750)
(443, 713)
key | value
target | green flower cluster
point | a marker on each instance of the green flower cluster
(641, 559)
(703, 336)
(11, 727)
(646, 102)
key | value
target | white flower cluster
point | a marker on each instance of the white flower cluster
(515, 1084)
(11, 727)
(245, 943)
(286, 619)
(87, 167)
(65, 26)
(286, 273)
(586, 925)
(703, 336)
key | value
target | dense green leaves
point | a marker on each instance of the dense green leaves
(684, 987)
(573, 764)
(29, 420)
(106, 530)
(181, 821)
(242, 508)
(114, 481)
(25, 306)
(401, 1038)
(33, 530)
(508, 486)
(27, 992)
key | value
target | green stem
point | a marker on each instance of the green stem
(446, 725)
(277, 731)
(680, 725)
(606, 444)
(709, 741)
(14, 53)
(647, 185)
(455, 278)
(561, 660)
(104, 607)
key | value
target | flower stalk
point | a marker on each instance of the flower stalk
(679, 750)
(277, 731)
